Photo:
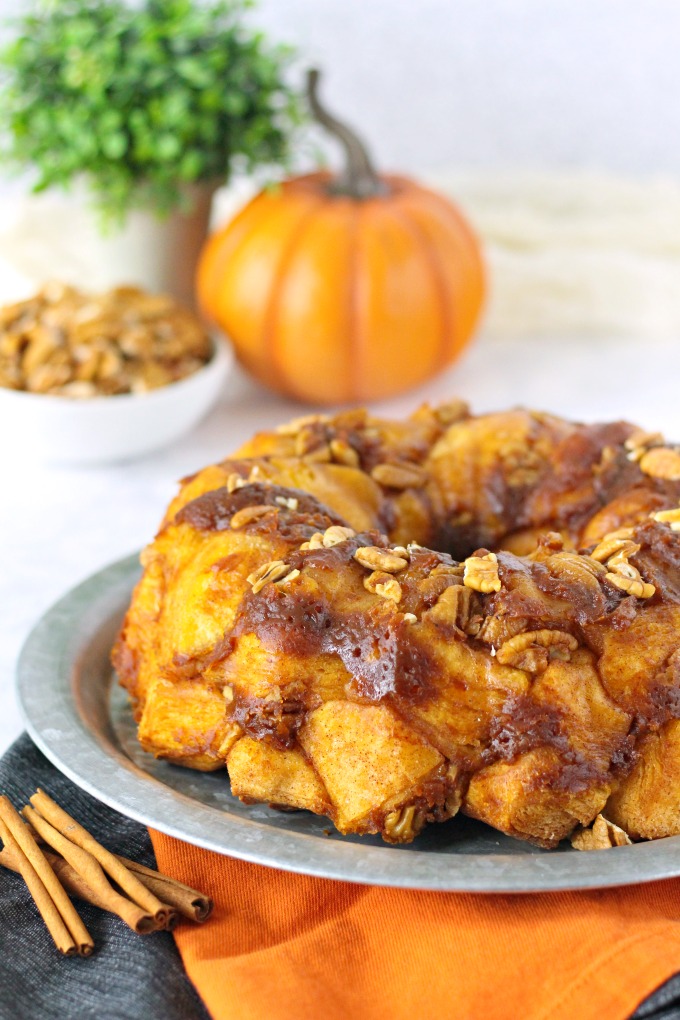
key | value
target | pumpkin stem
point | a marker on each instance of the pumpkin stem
(359, 179)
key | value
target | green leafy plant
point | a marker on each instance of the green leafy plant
(143, 100)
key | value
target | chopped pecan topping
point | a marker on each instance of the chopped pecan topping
(309, 439)
(575, 569)
(319, 455)
(399, 476)
(315, 542)
(640, 441)
(336, 534)
(481, 573)
(374, 578)
(613, 543)
(292, 428)
(343, 453)
(453, 606)
(495, 630)
(234, 482)
(248, 514)
(374, 558)
(275, 570)
(602, 835)
(402, 825)
(447, 569)
(671, 517)
(233, 732)
(451, 412)
(389, 589)
(615, 549)
(618, 563)
(289, 502)
(661, 462)
(632, 585)
(532, 650)
(289, 577)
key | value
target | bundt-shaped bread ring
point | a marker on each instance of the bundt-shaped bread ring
(295, 623)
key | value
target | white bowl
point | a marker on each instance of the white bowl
(101, 430)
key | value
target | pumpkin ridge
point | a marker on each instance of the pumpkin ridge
(280, 378)
(356, 333)
(440, 206)
(445, 300)
(218, 253)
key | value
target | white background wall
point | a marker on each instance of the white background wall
(442, 84)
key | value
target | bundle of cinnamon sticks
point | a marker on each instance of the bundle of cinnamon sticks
(53, 853)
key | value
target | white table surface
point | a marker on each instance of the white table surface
(58, 525)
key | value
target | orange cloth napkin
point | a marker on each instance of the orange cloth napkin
(287, 947)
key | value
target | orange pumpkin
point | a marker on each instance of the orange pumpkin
(344, 289)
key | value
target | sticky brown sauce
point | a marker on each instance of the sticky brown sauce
(659, 559)
(214, 510)
(387, 659)
(380, 653)
(530, 590)
(273, 722)
(526, 725)
(583, 477)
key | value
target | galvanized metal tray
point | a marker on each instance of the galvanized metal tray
(80, 718)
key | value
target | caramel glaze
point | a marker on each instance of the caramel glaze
(588, 470)
(523, 726)
(214, 510)
(391, 660)
(377, 650)
(659, 559)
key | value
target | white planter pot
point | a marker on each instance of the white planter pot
(56, 235)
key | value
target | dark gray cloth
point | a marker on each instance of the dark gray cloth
(129, 977)
(664, 1004)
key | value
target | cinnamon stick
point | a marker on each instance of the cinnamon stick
(128, 882)
(189, 902)
(69, 878)
(90, 871)
(43, 901)
(19, 830)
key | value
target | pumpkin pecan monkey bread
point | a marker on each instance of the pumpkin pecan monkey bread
(387, 622)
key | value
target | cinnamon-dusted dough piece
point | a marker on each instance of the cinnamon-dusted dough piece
(387, 622)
